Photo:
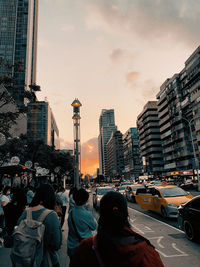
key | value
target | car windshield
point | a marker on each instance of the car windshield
(173, 192)
(134, 188)
(121, 188)
(104, 190)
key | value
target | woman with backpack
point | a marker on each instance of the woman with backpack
(42, 205)
(115, 244)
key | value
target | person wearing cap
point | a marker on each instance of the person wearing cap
(115, 244)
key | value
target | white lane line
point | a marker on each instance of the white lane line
(159, 238)
(157, 220)
(136, 227)
(174, 246)
(172, 256)
(148, 228)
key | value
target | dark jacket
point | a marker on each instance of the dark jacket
(131, 249)
(12, 213)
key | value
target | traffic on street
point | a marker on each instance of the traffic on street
(165, 234)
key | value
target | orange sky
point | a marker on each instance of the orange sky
(110, 54)
(89, 157)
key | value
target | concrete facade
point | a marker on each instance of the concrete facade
(115, 155)
(132, 159)
(178, 110)
(149, 139)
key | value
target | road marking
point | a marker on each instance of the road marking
(157, 220)
(133, 225)
(172, 256)
(159, 238)
(174, 246)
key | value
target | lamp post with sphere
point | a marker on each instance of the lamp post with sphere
(76, 104)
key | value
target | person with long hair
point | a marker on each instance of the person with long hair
(116, 244)
(44, 198)
(14, 209)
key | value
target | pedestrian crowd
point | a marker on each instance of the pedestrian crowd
(32, 218)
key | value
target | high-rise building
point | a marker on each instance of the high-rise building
(132, 159)
(41, 124)
(149, 139)
(179, 114)
(106, 128)
(115, 155)
(18, 46)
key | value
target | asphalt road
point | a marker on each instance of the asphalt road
(174, 248)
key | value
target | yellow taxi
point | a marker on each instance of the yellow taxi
(164, 199)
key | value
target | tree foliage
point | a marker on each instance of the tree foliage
(36, 151)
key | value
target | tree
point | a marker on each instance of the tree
(9, 112)
(37, 151)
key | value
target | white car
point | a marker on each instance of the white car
(99, 193)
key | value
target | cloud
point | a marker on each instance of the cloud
(89, 156)
(153, 19)
(147, 88)
(132, 79)
(120, 56)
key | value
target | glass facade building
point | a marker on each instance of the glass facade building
(106, 128)
(18, 46)
(41, 124)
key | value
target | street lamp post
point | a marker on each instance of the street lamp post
(76, 119)
(195, 157)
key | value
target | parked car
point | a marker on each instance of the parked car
(131, 191)
(189, 218)
(189, 185)
(121, 190)
(155, 182)
(98, 194)
(164, 199)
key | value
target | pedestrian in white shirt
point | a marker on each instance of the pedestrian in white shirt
(63, 197)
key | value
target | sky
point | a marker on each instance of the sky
(110, 54)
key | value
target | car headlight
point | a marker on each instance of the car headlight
(172, 205)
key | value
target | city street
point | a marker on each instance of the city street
(170, 242)
(174, 248)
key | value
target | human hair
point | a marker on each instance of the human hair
(80, 197)
(19, 197)
(72, 190)
(113, 218)
(113, 213)
(61, 189)
(45, 196)
(55, 187)
(6, 189)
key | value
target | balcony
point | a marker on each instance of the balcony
(170, 166)
(166, 126)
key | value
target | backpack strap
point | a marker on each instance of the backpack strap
(44, 215)
(95, 247)
(29, 214)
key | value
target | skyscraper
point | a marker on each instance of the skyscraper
(106, 128)
(18, 46)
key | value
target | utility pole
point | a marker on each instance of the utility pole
(76, 104)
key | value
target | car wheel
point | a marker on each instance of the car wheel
(163, 212)
(189, 231)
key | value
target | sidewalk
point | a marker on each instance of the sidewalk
(64, 259)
